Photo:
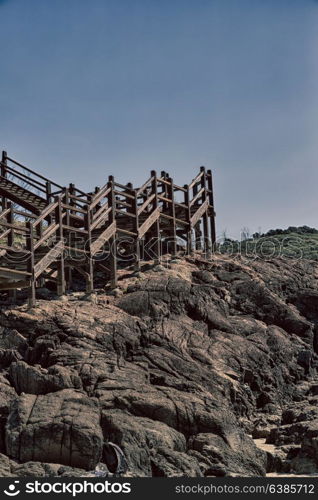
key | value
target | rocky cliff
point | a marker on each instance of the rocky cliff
(188, 367)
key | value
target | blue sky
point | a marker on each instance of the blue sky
(99, 87)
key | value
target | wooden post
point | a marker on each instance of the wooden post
(188, 219)
(197, 231)
(164, 191)
(60, 261)
(112, 241)
(10, 220)
(30, 264)
(206, 244)
(48, 191)
(212, 212)
(156, 232)
(134, 207)
(173, 215)
(90, 269)
(68, 234)
(4, 163)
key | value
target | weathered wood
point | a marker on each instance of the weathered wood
(145, 204)
(212, 212)
(150, 212)
(112, 240)
(13, 285)
(13, 274)
(198, 214)
(103, 237)
(47, 260)
(46, 235)
(149, 222)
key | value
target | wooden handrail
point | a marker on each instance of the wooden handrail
(146, 203)
(102, 193)
(13, 226)
(47, 234)
(122, 186)
(32, 172)
(122, 193)
(144, 186)
(45, 213)
(5, 212)
(197, 196)
(196, 179)
(102, 216)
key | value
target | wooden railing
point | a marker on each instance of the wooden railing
(159, 210)
(27, 178)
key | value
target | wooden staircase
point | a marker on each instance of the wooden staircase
(48, 231)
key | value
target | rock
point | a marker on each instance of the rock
(148, 444)
(176, 368)
(234, 452)
(5, 466)
(37, 380)
(63, 427)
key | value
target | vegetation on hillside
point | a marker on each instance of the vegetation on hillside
(294, 243)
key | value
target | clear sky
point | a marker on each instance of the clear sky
(90, 88)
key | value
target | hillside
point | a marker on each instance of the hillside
(291, 243)
(188, 368)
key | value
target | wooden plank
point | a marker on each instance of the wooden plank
(102, 209)
(104, 236)
(179, 221)
(4, 213)
(104, 191)
(4, 234)
(15, 249)
(125, 231)
(74, 229)
(5, 272)
(199, 213)
(149, 222)
(121, 186)
(144, 186)
(19, 229)
(146, 203)
(74, 208)
(122, 193)
(197, 196)
(32, 172)
(52, 255)
(121, 212)
(12, 285)
(103, 217)
(196, 180)
(47, 233)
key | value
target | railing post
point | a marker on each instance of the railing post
(197, 231)
(68, 234)
(48, 191)
(10, 220)
(188, 219)
(112, 241)
(212, 211)
(30, 264)
(173, 215)
(4, 163)
(88, 246)
(134, 208)
(154, 190)
(60, 260)
(207, 243)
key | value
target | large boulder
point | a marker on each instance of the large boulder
(63, 427)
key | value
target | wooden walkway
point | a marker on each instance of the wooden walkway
(49, 232)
